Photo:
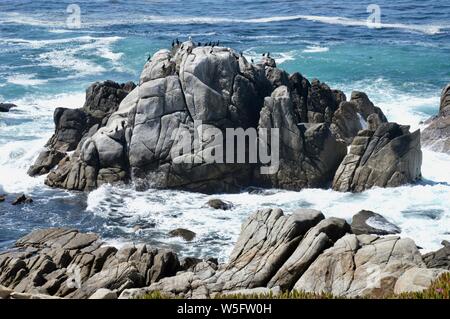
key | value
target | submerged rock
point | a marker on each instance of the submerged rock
(2, 198)
(219, 204)
(186, 234)
(22, 199)
(367, 222)
(388, 157)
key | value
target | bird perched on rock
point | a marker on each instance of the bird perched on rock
(173, 43)
(178, 42)
(199, 44)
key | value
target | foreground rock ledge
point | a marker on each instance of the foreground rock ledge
(132, 133)
(275, 252)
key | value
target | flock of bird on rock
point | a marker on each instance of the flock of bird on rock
(176, 43)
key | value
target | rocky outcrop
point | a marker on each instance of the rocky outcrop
(6, 107)
(169, 131)
(274, 253)
(73, 126)
(437, 134)
(66, 263)
(367, 222)
(390, 156)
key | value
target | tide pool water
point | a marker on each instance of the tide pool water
(44, 64)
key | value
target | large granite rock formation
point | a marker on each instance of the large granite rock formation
(387, 157)
(167, 132)
(437, 134)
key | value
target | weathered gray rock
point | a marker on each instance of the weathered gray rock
(74, 126)
(439, 258)
(417, 279)
(316, 240)
(104, 294)
(367, 222)
(66, 263)
(308, 155)
(219, 204)
(143, 139)
(436, 135)
(5, 292)
(363, 265)
(22, 199)
(389, 157)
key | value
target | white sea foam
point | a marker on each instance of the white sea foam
(427, 29)
(315, 49)
(25, 79)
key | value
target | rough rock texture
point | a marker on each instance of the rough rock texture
(6, 107)
(357, 114)
(361, 265)
(73, 126)
(219, 204)
(145, 139)
(439, 258)
(367, 222)
(274, 252)
(390, 156)
(417, 279)
(66, 263)
(437, 134)
(308, 154)
(186, 234)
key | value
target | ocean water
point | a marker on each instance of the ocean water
(45, 64)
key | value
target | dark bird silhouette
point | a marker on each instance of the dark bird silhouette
(173, 43)
(263, 54)
(252, 61)
(199, 44)
(178, 42)
(268, 54)
(218, 43)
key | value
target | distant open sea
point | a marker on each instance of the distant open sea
(402, 66)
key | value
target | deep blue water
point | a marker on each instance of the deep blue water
(44, 64)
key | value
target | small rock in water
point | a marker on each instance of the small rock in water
(2, 198)
(5, 107)
(183, 233)
(219, 204)
(22, 199)
(367, 222)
